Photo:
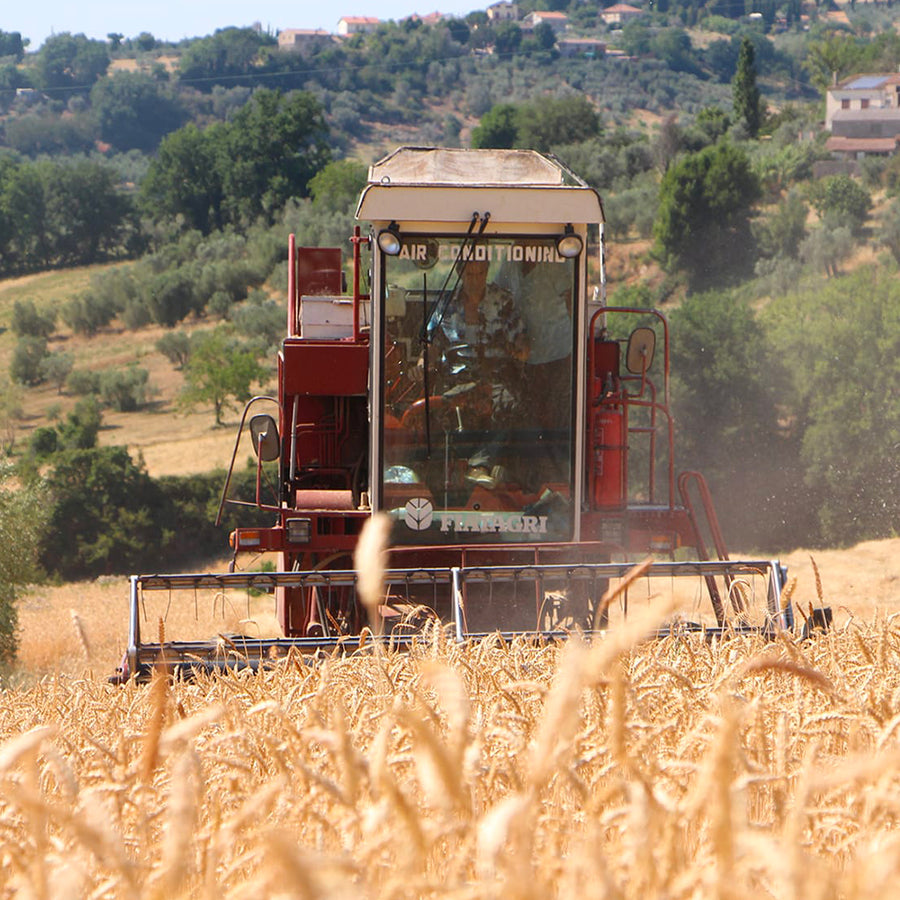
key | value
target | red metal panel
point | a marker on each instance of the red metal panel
(325, 368)
(319, 271)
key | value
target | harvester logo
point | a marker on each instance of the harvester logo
(418, 513)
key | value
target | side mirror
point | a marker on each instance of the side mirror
(265, 437)
(639, 356)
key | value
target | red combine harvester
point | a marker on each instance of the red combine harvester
(516, 432)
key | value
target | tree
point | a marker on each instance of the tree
(28, 320)
(498, 128)
(553, 121)
(228, 53)
(337, 186)
(785, 228)
(703, 222)
(745, 93)
(843, 362)
(26, 365)
(11, 44)
(219, 372)
(239, 171)
(57, 367)
(724, 397)
(70, 61)
(135, 111)
(22, 519)
(828, 59)
(175, 346)
(183, 180)
(269, 153)
(841, 201)
(103, 514)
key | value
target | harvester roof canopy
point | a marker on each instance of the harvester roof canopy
(435, 184)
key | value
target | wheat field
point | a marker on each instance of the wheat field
(619, 769)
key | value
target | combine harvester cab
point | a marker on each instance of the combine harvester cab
(515, 431)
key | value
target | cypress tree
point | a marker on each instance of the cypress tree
(745, 93)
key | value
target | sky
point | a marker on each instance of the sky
(171, 20)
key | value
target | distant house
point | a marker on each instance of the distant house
(556, 20)
(348, 25)
(620, 13)
(589, 47)
(503, 11)
(431, 19)
(863, 115)
(302, 39)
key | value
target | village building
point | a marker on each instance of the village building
(301, 40)
(620, 13)
(348, 25)
(503, 11)
(863, 115)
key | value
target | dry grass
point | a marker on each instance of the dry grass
(675, 769)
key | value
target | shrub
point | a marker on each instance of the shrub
(28, 357)
(28, 320)
(56, 368)
(87, 313)
(83, 381)
(44, 442)
(175, 346)
(124, 389)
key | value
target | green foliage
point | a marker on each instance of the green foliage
(839, 200)
(830, 59)
(498, 128)
(22, 520)
(746, 97)
(28, 357)
(889, 235)
(785, 228)
(242, 170)
(83, 381)
(102, 513)
(551, 121)
(56, 368)
(82, 425)
(61, 213)
(176, 347)
(44, 442)
(228, 53)
(69, 61)
(539, 125)
(170, 296)
(842, 342)
(89, 312)
(125, 389)
(826, 247)
(28, 320)
(135, 110)
(219, 372)
(261, 324)
(726, 389)
(704, 210)
(11, 44)
(183, 181)
(338, 185)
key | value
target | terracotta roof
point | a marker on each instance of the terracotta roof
(620, 8)
(360, 20)
(861, 145)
